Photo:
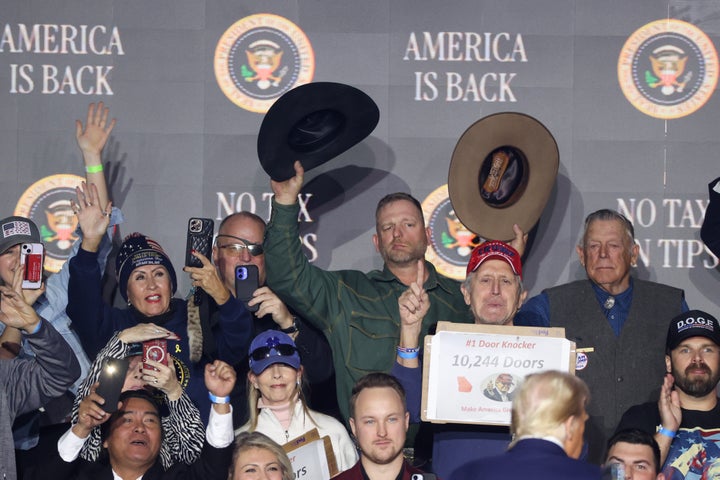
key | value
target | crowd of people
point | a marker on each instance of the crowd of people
(340, 353)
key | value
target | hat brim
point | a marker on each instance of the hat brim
(259, 366)
(16, 240)
(517, 130)
(313, 123)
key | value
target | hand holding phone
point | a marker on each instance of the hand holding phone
(112, 379)
(199, 239)
(247, 280)
(155, 350)
(31, 261)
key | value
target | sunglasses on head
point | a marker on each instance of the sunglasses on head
(236, 249)
(282, 349)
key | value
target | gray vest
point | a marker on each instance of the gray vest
(621, 371)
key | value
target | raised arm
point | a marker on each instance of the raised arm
(54, 368)
(91, 139)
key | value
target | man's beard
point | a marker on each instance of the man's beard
(403, 257)
(698, 387)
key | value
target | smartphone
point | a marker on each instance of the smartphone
(423, 476)
(155, 350)
(246, 282)
(31, 260)
(199, 238)
(112, 379)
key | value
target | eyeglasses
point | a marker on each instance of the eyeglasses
(283, 350)
(236, 249)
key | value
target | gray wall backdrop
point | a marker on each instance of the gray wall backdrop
(181, 148)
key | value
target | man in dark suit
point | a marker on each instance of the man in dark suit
(548, 422)
(132, 435)
(710, 231)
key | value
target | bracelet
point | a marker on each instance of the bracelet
(664, 431)
(292, 328)
(94, 168)
(408, 353)
(215, 399)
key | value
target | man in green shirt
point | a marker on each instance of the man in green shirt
(357, 311)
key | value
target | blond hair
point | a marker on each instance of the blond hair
(544, 401)
(248, 440)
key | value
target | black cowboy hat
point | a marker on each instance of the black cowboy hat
(502, 171)
(313, 123)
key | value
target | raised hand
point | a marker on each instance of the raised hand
(270, 304)
(93, 137)
(92, 217)
(90, 413)
(163, 378)
(220, 378)
(520, 241)
(15, 311)
(206, 277)
(286, 192)
(413, 304)
(669, 405)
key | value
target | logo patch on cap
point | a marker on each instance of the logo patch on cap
(16, 227)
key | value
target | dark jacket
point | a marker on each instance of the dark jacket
(26, 385)
(213, 465)
(96, 322)
(356, 472)
(530, 458)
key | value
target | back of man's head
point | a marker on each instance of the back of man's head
(635, 450)
(545, 400)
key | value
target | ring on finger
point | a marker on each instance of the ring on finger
(155, 380)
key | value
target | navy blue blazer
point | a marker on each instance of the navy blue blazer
(532, 458)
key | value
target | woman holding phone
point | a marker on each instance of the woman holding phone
(147, 281)
(184, 431)
(276, 402)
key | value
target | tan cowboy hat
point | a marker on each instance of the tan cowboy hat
(502, 172)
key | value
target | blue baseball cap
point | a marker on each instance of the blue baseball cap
(272, 346)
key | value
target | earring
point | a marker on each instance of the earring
(129, 304)
(255, 385)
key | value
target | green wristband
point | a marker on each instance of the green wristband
(94, 168)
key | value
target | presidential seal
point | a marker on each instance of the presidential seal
(47, 203)
(450, 241)
(668, 69)
(259, 58)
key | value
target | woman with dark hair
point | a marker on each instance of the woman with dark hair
(184, 431)
(276, 403)
(147, 280)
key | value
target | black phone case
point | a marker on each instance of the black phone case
(112, 379)
(246, 282)
(199, 238)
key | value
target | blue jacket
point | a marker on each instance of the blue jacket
(530, 458)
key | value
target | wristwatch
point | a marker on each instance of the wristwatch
(292, 328)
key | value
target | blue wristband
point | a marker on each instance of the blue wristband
(664, 431)
(408, 353)
(215, 399)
